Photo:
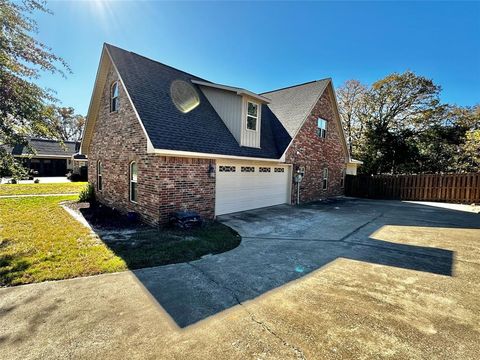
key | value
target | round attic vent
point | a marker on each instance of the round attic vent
(184, 96)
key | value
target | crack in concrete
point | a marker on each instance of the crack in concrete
(298, 352)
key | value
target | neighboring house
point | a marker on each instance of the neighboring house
(51, 158)
(160, 140)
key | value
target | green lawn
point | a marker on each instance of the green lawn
(40, 241)
(36, 189)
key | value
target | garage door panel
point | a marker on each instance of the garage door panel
(240, 191)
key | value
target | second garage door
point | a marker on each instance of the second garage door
(241, 187)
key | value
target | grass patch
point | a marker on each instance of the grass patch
(40, 241)
(38, 189)
(151, 247)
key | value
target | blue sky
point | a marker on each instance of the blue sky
(268, 45)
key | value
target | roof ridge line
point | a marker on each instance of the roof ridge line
(56, 140)
(158, 62)
(292, 86)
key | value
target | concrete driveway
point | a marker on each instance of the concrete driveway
(347, 279)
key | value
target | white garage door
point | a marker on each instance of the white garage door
(242, 187)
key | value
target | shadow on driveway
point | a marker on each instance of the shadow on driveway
(282, 244)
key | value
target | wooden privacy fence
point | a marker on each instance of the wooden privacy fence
(456, 188)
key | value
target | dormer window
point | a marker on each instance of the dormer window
(252, 116)
(114, 97)
(322, 128)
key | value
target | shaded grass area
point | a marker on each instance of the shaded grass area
(40, 241)
(152, 247)
(142, 246)
(37, 189)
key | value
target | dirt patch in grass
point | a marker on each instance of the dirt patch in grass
(38, 189)
(142, 246)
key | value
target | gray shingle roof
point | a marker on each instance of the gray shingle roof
(200, 130)
(46, 147)
(291, 105)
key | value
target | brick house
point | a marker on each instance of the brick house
(160, 140)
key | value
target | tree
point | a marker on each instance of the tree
(350, 100)
(68, 124)
(394, 111)
(25, 107)
(471, 151)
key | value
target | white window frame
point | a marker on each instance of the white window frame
(131, 180)
(99, 175)
(322, 130)
(342, 180)
(255, 117)
(325, 179)
(116, 98)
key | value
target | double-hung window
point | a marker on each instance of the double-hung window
(114, 97)
(325, 179)
(99, 175)
(252, 116)
(322, 128)
(133, 181)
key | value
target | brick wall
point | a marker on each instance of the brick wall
(165, 184)
(315, 153)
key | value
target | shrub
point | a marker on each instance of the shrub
(36, 181)
(77, 177)
(87, 194)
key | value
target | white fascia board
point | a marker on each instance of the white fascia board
(191, 154)
(34, 156)
(339, 121)
(91, 105)
(149, 143)
(238, 91)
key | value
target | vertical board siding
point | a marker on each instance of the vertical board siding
(228, 106)
(455, 188)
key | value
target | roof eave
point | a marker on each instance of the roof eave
(192, 154)
(236, 90)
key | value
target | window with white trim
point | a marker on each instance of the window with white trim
(99, 175)
(133, 181)
(252, 116)
(114, 97)
(325, 179)
(322, 128)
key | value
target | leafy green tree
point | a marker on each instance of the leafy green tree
(394, 110)
(68, 124)
(350, 98)
(470, 151)
(25, 107)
